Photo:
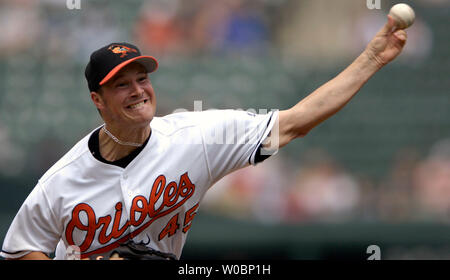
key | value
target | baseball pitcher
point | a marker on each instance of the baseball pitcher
(132, 187)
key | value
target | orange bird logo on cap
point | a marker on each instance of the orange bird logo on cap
(122, 50)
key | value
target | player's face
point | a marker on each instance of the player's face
(128, 98)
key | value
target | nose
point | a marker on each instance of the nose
(137, 90)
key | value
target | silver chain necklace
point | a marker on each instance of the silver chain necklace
(118, 141)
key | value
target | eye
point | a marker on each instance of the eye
(121, 85)
(142, 79)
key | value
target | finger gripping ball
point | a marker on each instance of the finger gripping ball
(403, 15)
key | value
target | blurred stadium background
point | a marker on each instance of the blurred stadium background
(376, 173)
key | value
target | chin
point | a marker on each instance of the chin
(144, 121)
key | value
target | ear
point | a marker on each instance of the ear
(98, 100)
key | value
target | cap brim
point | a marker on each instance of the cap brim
(149, 62)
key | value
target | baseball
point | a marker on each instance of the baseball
(403, 15)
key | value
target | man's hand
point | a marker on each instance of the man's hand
(114, 257)
(387, 43)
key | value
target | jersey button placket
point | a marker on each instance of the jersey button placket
(127, 193)
(126, 186)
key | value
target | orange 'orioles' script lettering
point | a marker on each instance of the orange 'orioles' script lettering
(173, 195)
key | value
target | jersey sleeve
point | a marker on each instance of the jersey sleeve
(233, 139)
(35, 228)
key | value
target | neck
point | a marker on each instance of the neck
(111, 150)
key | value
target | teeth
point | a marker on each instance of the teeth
(137, 105)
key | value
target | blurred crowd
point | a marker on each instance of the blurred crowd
(318, 188)
(188, 28)
(277, 191)
(170, 28)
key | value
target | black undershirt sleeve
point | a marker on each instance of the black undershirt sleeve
(258, 156)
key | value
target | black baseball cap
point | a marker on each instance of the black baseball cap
(105, 62)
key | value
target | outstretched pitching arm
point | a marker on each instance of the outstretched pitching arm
(332, 96)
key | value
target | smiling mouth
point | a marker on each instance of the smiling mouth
(137, 105)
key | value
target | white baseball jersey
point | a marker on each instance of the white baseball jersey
(84, 202)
